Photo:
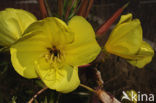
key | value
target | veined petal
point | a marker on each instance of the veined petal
(145, 53)
(125, 39)
(13, 22)
(85, 48)
(62, 79)
(26, 51)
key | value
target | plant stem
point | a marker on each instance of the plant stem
(43, 8)
(89, 7)
(60, 7)
(88, 88)
(83, 8)
(47, 4)
(69, 9)
(103, 96)
(38, 93)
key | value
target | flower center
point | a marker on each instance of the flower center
(54, 57)
(53, 51)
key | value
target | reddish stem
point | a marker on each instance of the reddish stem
(60, 7)
(83, 8)
(89, 7)
(43, 8)
(38, 93)
(109, 22)
(69, 9)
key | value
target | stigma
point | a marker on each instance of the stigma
(54, 56)
(54, 51)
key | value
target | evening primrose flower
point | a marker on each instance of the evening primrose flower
(126, 41)
(13, 22)
(53, 50)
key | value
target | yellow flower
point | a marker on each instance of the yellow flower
(53, 50)
(13, 22)
(126, 41)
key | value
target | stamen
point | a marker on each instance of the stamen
(55, 57)
(54, 53)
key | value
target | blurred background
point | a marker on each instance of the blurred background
(117, 74)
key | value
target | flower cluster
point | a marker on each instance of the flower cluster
(52, 49)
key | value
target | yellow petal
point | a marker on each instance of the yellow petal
(125, 39)
(125, 18)
(144, 54)
(13, 22)
(37, 38)
(84, 48)
(25, 52)
(56, 30)
(63, 79)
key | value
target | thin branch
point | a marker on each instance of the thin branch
(88, 88)
(106, 98)
(43, 8)
(99, 78)
(103, 96)
(38, 93)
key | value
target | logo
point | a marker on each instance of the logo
(137, 96)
